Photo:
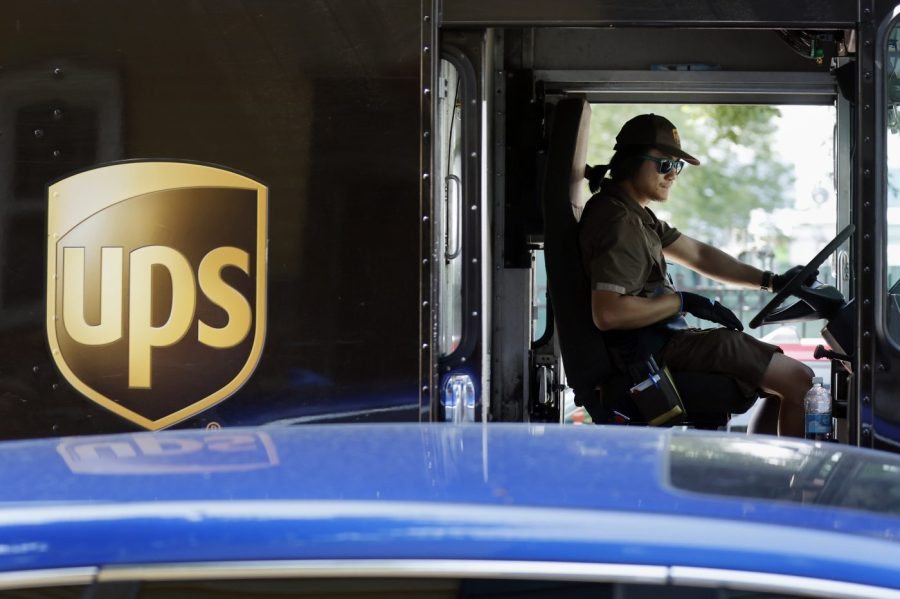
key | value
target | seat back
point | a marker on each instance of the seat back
(584, 353)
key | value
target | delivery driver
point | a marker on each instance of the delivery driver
(625, 248)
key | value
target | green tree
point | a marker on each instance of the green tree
(740, 170)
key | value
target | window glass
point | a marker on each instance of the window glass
(538, 296)
(54, 592)
(449, 206)
(793, 471)
(452, 588)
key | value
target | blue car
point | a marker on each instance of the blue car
(446, 511)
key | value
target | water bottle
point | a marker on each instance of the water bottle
(818, 412)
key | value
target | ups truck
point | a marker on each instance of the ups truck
(243, 212)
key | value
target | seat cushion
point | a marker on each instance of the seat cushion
(708, 398)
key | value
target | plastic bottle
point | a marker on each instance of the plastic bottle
(818, 412)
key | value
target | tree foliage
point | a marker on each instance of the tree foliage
(740, 169)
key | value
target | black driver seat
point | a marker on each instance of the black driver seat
(597, 385)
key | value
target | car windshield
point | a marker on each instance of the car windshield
(822, 474)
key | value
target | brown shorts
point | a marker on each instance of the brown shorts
(722, 351)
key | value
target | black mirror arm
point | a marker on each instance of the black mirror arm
(824, 299)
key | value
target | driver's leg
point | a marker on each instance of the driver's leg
(765, 417)
(789, 380)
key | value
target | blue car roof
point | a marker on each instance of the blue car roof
(611, 495)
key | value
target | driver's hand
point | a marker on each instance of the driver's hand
(707, 309)
(779, 281)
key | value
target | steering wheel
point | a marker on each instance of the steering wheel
(819, 299)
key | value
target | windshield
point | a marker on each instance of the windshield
(822, 474)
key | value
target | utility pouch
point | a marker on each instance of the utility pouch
(655, 395)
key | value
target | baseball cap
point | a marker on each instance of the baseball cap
(653, 130)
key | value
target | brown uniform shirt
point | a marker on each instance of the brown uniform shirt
(621, 245)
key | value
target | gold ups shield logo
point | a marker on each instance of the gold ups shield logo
(156, 286)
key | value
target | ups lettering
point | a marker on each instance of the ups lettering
(143, 336)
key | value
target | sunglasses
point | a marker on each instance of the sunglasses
(664, 165)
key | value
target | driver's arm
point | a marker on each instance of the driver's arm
(613, 310)
(712, 262)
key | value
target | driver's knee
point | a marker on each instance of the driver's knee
(788, 378)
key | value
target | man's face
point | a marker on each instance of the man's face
(649, 183)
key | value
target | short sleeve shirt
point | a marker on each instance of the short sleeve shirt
(621, 245)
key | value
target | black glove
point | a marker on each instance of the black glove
(707, 309)
(779, 281)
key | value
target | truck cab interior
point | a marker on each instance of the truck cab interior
(517, 79)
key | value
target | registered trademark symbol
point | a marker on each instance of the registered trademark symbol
(213, 426)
